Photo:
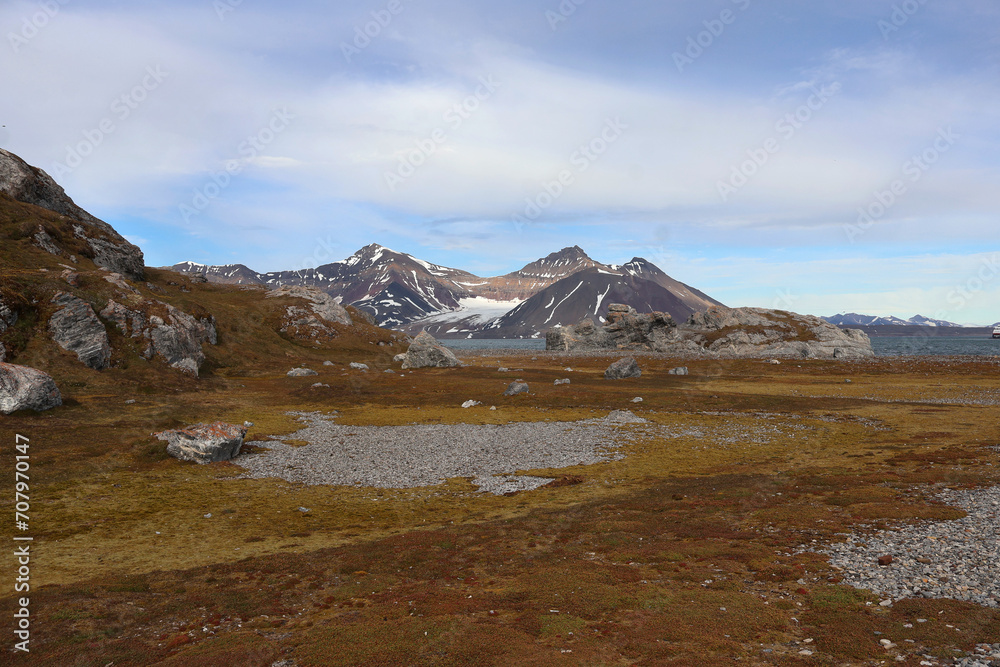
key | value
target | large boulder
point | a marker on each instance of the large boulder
(76, 329)
(517, 387)
(622, 369)
(23, 388)
(164, 331)
(205, 443)
(718, 332)
(424, 352)
(31, 185)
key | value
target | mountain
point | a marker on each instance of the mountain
(586, 295)
(854, 319)
(410, 294)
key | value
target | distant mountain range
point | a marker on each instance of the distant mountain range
(854, 320)
(407, 293)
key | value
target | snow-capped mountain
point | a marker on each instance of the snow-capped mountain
(854, 319)
(404, 292)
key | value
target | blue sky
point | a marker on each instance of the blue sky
(822, 157)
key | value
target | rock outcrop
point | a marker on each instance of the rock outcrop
(625, 329)
(8, 317)
(312, 321)
(622, 369)
(424, 352)
(23, 388)
(31, 185)
(205, 443)
(164, 331)
(718, 332)
(76, 329)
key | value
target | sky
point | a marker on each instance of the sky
(822, 157)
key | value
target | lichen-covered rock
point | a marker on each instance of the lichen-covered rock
(164, 331)
(8, 316)
(76, 329)
(205, 443)
(717, 332)
(301, 373)
(33, 186)
(424, 352)
(321, 305)
(517, 387)
(622, 369)
(23, 388)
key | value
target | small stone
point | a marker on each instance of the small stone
(637, 399)
(680, 370)
(805, 651)
(563, 381)
(130, 401)
(493, 407)
(304, 509)
(885, 560)
(301, 372)
(470, 404)
(359, 367)
(208, 516)
(886, 643)
(328, 363)
(847, 381)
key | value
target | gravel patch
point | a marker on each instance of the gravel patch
(957, 559)
(426, 455)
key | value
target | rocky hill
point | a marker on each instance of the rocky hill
(718, 332)
(77, 304)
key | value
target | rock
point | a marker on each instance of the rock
(470, 404)
(165, 331)
(7, 316)
(425, 352)
(399, 358)
(328, 363)
(624, 417)
(389, 370)
(847, 382)
(493, 407)
(359, 367)
(118, 281)
(319, 385)
(76, 329)
(774, 362)
(885, 560)
(204, 443)
(623, 368)
(23, 388)
(321, 305)
(637, 399)
(366, 317)
(503, 370)
(718, 332)
(563, 381)
(33, 186)
(301, 373)
(681, 370)
(3, 352)
(516, 387)
(71, 277)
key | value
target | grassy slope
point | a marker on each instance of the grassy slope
(444, 575)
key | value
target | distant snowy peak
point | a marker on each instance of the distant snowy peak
(557, 266)
(230, 274)
(854, 319)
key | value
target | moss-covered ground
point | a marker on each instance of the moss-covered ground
(678, 554)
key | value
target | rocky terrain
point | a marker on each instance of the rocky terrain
(718, 332)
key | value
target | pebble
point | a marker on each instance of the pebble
(957, 559)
